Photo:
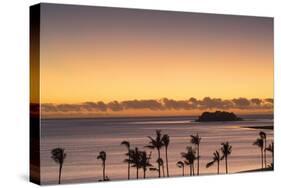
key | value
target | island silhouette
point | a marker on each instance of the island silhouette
(218, 116)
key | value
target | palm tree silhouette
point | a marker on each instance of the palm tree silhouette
(144, 162)
(226, 151)
(260, 143)
(263, 137)
(270, 148)
(161, 162)
(166, 142)
(135, 160)
(216, 159)
(196, 139)
(189, 157)
(58, 155)
(180, 164)
(102, 157)
(156, 143)
(127, 145)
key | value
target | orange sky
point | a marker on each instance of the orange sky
(100, 54)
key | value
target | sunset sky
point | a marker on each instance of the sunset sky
(107, 54)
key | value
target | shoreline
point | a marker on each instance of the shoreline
(260, 127)
(258, 170)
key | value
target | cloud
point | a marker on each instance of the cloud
(162, 104)
(176, 105)
(68, 107)
(256, 101)
(242, 103)
(115, 106)
(142, 104)
(269, 100)
(215, 103)
(92, 106)
(48, 107)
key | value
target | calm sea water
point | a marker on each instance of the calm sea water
(82, 140)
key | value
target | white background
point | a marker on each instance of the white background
(14, 92)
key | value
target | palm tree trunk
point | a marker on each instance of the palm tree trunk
(183, 171)
(129, 164)
(167, 164)
(264, 152)
(218, 167)
(226, 165)
(272, 157)
(137, 173)
(261, 157)
(128, 170)
(144, 173)
(163, 170)
(193, 169)
(60, 173)
(190, 170)
(198, 160)
(159, 171)
(103, 171)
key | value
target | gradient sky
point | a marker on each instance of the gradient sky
(105, 54)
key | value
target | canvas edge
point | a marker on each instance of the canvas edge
(34, 106)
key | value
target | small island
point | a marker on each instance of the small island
(218, 116)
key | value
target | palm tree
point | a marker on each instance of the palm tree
(144, 162)
(156, 143)
(190, 157)
(161, 162)
(270, 148)
(58, 155)
(127, 145)
(166, 142)
(259, 142)
(196, 139)
(263, 137)
(102, 157)
(216, 159)
(180, 164)
(135, 159)
(226, 151)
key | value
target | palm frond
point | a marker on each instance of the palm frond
(210, 164)
(126, 143)
(180, 164)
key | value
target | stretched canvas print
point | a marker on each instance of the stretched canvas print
(123, 94)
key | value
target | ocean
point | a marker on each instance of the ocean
(82, 140)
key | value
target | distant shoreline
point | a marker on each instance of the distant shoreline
(258, 170)
(270, 127)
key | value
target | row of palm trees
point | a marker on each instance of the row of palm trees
(225, 150)
(261, 143)
(190, 157)
(140, 159)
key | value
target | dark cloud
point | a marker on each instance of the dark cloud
(163, 104)
(142, 104)
(48, 107)
(92, 106)
(242, 103)
(176, 105)
(115, 106)
(256, 101)
(269, 100)
(68, 107)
